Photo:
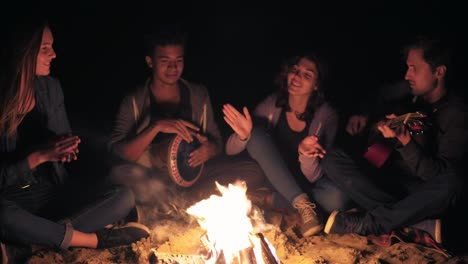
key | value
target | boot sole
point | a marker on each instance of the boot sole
(438, 231)
(313, 231)
(137, 225)
(330, 221)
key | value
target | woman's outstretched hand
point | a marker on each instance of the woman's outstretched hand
(240, 123)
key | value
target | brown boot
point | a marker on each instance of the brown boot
(311, 224)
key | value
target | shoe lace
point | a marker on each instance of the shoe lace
(306, 209)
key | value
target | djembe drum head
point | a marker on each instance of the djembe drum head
(177, 162)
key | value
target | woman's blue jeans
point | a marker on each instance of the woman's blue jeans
(324, 192)
(43, 215)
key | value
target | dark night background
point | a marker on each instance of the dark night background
(235, 48)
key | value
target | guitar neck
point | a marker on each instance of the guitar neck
(399, 121)
(409, 118)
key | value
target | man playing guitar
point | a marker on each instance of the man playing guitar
(422, 177)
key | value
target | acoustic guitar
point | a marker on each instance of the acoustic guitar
(379, 151)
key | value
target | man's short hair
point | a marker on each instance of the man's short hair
(165, 36)
(435, 51)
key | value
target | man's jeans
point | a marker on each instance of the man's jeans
(385, 210)
(155, 188)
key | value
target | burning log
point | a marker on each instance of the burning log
(245, 256)
(268, 256)
(169, 258)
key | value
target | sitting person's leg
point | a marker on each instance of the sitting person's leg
(430, 199)
(225, 170)
(87, 210)
(90, 208)
(353, 178)
(23, 227)
(261, 148)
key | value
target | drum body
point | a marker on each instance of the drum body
(173, 155)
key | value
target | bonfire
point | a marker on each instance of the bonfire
(233, 230)
(228, 229)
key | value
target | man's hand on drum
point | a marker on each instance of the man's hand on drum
(240, 123)
(206, 151)
(184, 129)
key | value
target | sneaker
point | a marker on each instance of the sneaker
(431, 226)
(121, 235)
(12, 254)
(311, 224)
(261, 197)
(350, 222)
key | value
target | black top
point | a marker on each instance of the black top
(183, 110)
(31, 134)
(287, 141)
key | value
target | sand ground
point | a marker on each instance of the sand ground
(178, 237)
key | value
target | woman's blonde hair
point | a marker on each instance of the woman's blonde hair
(17, 89)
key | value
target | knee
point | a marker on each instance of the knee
(334, 201)
(447, 189)
(330, 199)
(125, 197)
(453, 186)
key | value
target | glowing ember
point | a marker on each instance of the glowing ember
(229, 228)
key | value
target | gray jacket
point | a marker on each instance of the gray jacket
(325, 122)
(134, 115)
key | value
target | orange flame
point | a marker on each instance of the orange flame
(225, 218)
